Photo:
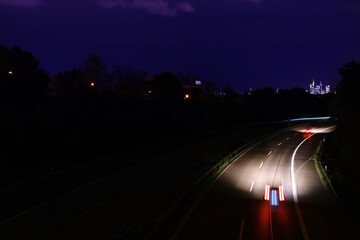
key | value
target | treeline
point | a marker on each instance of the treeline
(342, 151)
(90, 107)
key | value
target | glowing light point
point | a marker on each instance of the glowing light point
(10, 72)
(92, 84)
(187, 96)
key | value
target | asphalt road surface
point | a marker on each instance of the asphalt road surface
(234, 206)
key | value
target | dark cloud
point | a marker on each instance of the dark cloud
(22, 3)
(160, 7)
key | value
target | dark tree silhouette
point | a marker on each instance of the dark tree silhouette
(266, 91)
(341, 150)
(128, 82)
(95, 79)
(210, 88)
(20, 72)
(228, 91)
(348, 112)
(167, 86)
(64, 84)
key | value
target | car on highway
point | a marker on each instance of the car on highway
(274, 194)
(308, 130)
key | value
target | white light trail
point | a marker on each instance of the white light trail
(252, 186)
(261, 164)
(293, 185)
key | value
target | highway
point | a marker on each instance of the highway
(233, 207)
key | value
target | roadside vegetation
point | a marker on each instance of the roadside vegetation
(327, 176)
(341, 149)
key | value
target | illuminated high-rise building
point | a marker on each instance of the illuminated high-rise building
(327, 89)
(322, 90)
(312, 87)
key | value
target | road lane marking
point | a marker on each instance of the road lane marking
(21, 214)
(294, 191)
(269, 153)
(242, 229)
(262, 163)
(293, 185)
(91, 209)
(287, 138)
(279, 144)
(206, 190)
(252, 185)
(303, 164)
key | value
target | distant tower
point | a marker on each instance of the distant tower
(312, 87)
(327, 89)
(322, 90)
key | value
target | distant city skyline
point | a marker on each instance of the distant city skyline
(319, 89)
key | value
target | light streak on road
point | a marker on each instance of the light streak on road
(252, 185)
(274, 198)
(262, 163)
(287, 138)
(267, 192)
(204, 192)
(293, 185)
(91, 209)
(279, 144)
(281, 193)
(269, 153)
(242, 229)
(307, 119)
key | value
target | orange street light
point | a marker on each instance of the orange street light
(10, 72)
(92, 84)
(187, 96)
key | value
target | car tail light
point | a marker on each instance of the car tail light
(267, 192)
(281, 193)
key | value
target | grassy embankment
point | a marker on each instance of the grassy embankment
(323, 174)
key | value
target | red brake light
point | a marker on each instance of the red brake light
(281, 193)
(267, 192)
(307, 130)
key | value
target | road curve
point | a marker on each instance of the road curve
(234, 207)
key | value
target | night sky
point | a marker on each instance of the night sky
(241, 43)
